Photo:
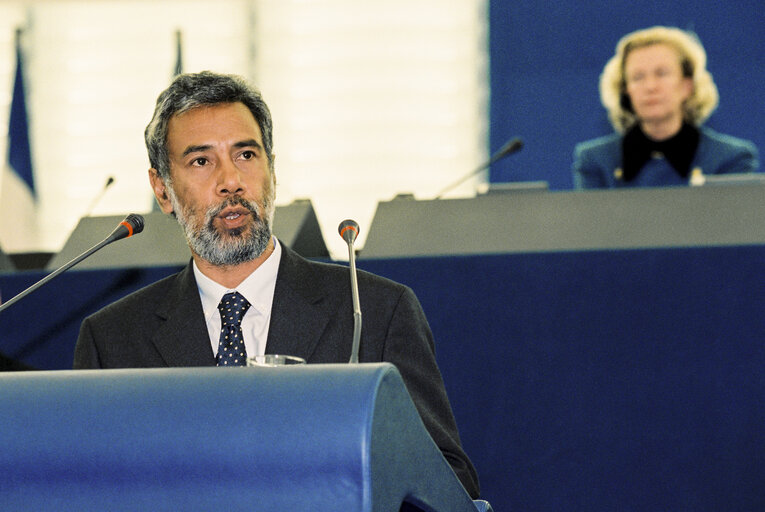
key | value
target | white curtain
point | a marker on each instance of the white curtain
(370, 98)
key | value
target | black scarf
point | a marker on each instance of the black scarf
(679, 150)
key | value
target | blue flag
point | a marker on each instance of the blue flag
(19, 154)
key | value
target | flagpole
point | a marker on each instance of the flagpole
(178, 53)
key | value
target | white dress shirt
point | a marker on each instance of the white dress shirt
(258, 289)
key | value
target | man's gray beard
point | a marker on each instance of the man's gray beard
(206, 241)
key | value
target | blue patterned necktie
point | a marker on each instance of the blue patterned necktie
(231, 351)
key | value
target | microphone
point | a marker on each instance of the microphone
(132, 225)
(349, 230)
(99, 196)
(508, 148)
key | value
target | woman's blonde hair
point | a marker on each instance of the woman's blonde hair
(693, 60)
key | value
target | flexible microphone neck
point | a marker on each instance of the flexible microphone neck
(98, 197)
(508, 148)
(132, 225)
(349, 230)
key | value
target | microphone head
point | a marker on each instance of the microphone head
(135, 222)
(510, 146)
(348, 230)
(109, 182)
(132, 225)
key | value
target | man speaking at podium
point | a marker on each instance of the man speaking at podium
(212, 167)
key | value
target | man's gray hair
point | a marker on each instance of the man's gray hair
(191, 90)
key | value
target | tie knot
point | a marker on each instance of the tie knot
(232, 308)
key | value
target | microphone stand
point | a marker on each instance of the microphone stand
(508, 148)
(349, 230)
(98, 197)
(133, 224)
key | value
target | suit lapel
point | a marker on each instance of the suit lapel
(299, 315)
(300, 310)
(182, 339)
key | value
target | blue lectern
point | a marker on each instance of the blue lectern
(303, 438)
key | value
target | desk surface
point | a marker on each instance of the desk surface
(532, 221)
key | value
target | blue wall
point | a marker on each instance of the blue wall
(546, 59)
(628, 380)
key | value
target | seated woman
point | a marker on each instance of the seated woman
(658, 93)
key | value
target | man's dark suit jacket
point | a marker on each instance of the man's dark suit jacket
(312, 317)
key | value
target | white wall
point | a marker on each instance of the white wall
(370, 98)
